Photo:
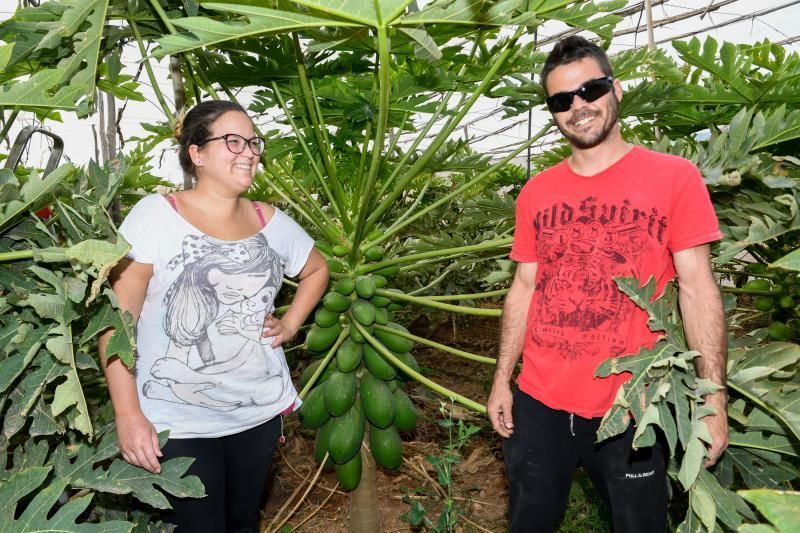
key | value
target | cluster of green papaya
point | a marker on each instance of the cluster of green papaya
(776, 293)
(360, 392)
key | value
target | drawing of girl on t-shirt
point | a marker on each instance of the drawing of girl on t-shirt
(214, 312)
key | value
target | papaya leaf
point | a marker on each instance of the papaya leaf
(70, 392)
(124, 478)
(781, 508)
(368, 13)
(26, 394)
(696, 450)
(44, 423)
(19, 485)
(583, 15)
(424, 45)
(790, 261)
(64, 85)
(703, 505)
(123, 341)
(13, 366)
(722, 63)
(757, 472)
(30, 193)
(729, 507)
(37, 515)
(205, 31)
(461, 12)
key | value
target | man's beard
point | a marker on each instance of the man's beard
(591, 139)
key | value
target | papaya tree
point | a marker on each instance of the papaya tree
(366, 101)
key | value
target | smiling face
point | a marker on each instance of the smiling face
(585, 124)
(214, 162)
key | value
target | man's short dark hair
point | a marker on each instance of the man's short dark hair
(571, 49)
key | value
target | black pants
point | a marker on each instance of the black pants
(543, 452)
(234, 470)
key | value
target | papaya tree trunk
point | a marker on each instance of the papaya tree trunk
(364, 514)
(179, 93)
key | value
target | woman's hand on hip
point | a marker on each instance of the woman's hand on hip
(280, 330)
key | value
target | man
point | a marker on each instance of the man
(608, 210)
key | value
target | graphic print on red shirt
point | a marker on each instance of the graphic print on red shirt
(583, 232)
(582, 248)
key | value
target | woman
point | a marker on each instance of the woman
(201, 279)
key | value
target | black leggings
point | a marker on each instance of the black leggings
(543, 452)
(234, 471)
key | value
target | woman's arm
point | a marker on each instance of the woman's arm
(313, 280)
(138, 440)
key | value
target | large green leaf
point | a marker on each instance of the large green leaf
(122, 343)
(781, 508)
(584, 15)
(64, 85)
(790, 261)
(375, 13)
(723, 63)
(96, 257)
(261, 20)
(87, 468)
(483, 12)
(38, 515)
(31, 193)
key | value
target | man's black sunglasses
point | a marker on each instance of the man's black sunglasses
(236, 143)
(589, 92)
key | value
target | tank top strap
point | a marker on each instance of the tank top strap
(260, 214)
(172, 202)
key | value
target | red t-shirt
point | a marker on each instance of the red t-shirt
(582, 232)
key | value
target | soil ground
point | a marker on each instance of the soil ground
(479, 483)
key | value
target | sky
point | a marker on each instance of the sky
(738, 21)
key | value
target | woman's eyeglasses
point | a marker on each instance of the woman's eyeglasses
(236, 143)
(589, 92)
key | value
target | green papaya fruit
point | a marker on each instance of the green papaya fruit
(377, 401)
(387, 447)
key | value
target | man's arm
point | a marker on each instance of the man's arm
(704, 322)
(512, 339)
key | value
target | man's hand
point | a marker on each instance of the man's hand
(499, 409)
(717, 426)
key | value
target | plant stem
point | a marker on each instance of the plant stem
(752, 292)
(8, 123)
(441, 137)
(186, 55)
(438, 346)
(384, 88)
(473, 296)
(318, 127)
(301, 140)
(149, 69)
(476, 311)
(486, 245)
(321, 368)
(421, 136)
(16, 256)
(452, 396)
(291, 202)
(474, 181)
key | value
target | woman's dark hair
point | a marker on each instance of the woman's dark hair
(571, 49)
(196, 127)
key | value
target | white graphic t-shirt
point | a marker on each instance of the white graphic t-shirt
(202, 368)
